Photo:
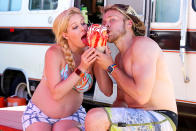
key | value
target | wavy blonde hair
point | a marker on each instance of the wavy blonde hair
(60, 25)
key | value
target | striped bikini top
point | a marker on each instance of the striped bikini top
(84, 84)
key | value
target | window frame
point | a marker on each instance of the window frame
(154, 4)
(165, 25)
(9, 8)
(42, 6)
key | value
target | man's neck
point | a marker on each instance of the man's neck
(124, 42)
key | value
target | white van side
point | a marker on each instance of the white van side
(25, 35)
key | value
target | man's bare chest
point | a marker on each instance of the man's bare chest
(124, 64)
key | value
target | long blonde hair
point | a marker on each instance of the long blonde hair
(60, 25)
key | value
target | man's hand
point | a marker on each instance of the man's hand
(104, 59)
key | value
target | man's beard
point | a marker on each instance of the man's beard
(117, 34)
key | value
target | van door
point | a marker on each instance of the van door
(165, 18)
(173, 28)
(170, 22)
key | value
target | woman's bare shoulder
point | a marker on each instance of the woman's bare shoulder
(54, 55)
(54, 51)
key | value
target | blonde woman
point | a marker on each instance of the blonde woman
(68, 72)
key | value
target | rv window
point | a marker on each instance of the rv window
(10, 5)
(43, 4)
(167, 10)
(194, 5)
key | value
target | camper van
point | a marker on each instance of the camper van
(26, 34)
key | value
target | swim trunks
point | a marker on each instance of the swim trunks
(129, 119)
(33, 114)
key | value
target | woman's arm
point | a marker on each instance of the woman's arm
(53, 61)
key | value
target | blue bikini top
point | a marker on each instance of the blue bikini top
(84, 84)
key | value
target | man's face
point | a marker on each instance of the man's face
(115, 22)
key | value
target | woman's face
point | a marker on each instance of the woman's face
(76, 31)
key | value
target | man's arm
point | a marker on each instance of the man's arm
(104, 81)
(139, 79)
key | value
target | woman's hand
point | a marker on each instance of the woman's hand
(87, 59)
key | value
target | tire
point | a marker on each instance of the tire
(19, 88)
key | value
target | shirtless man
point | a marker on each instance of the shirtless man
(145, 94)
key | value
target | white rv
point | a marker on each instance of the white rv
(25, 35)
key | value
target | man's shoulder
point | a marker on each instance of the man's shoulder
(144, 43)
(143, 40)
(144, 46)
